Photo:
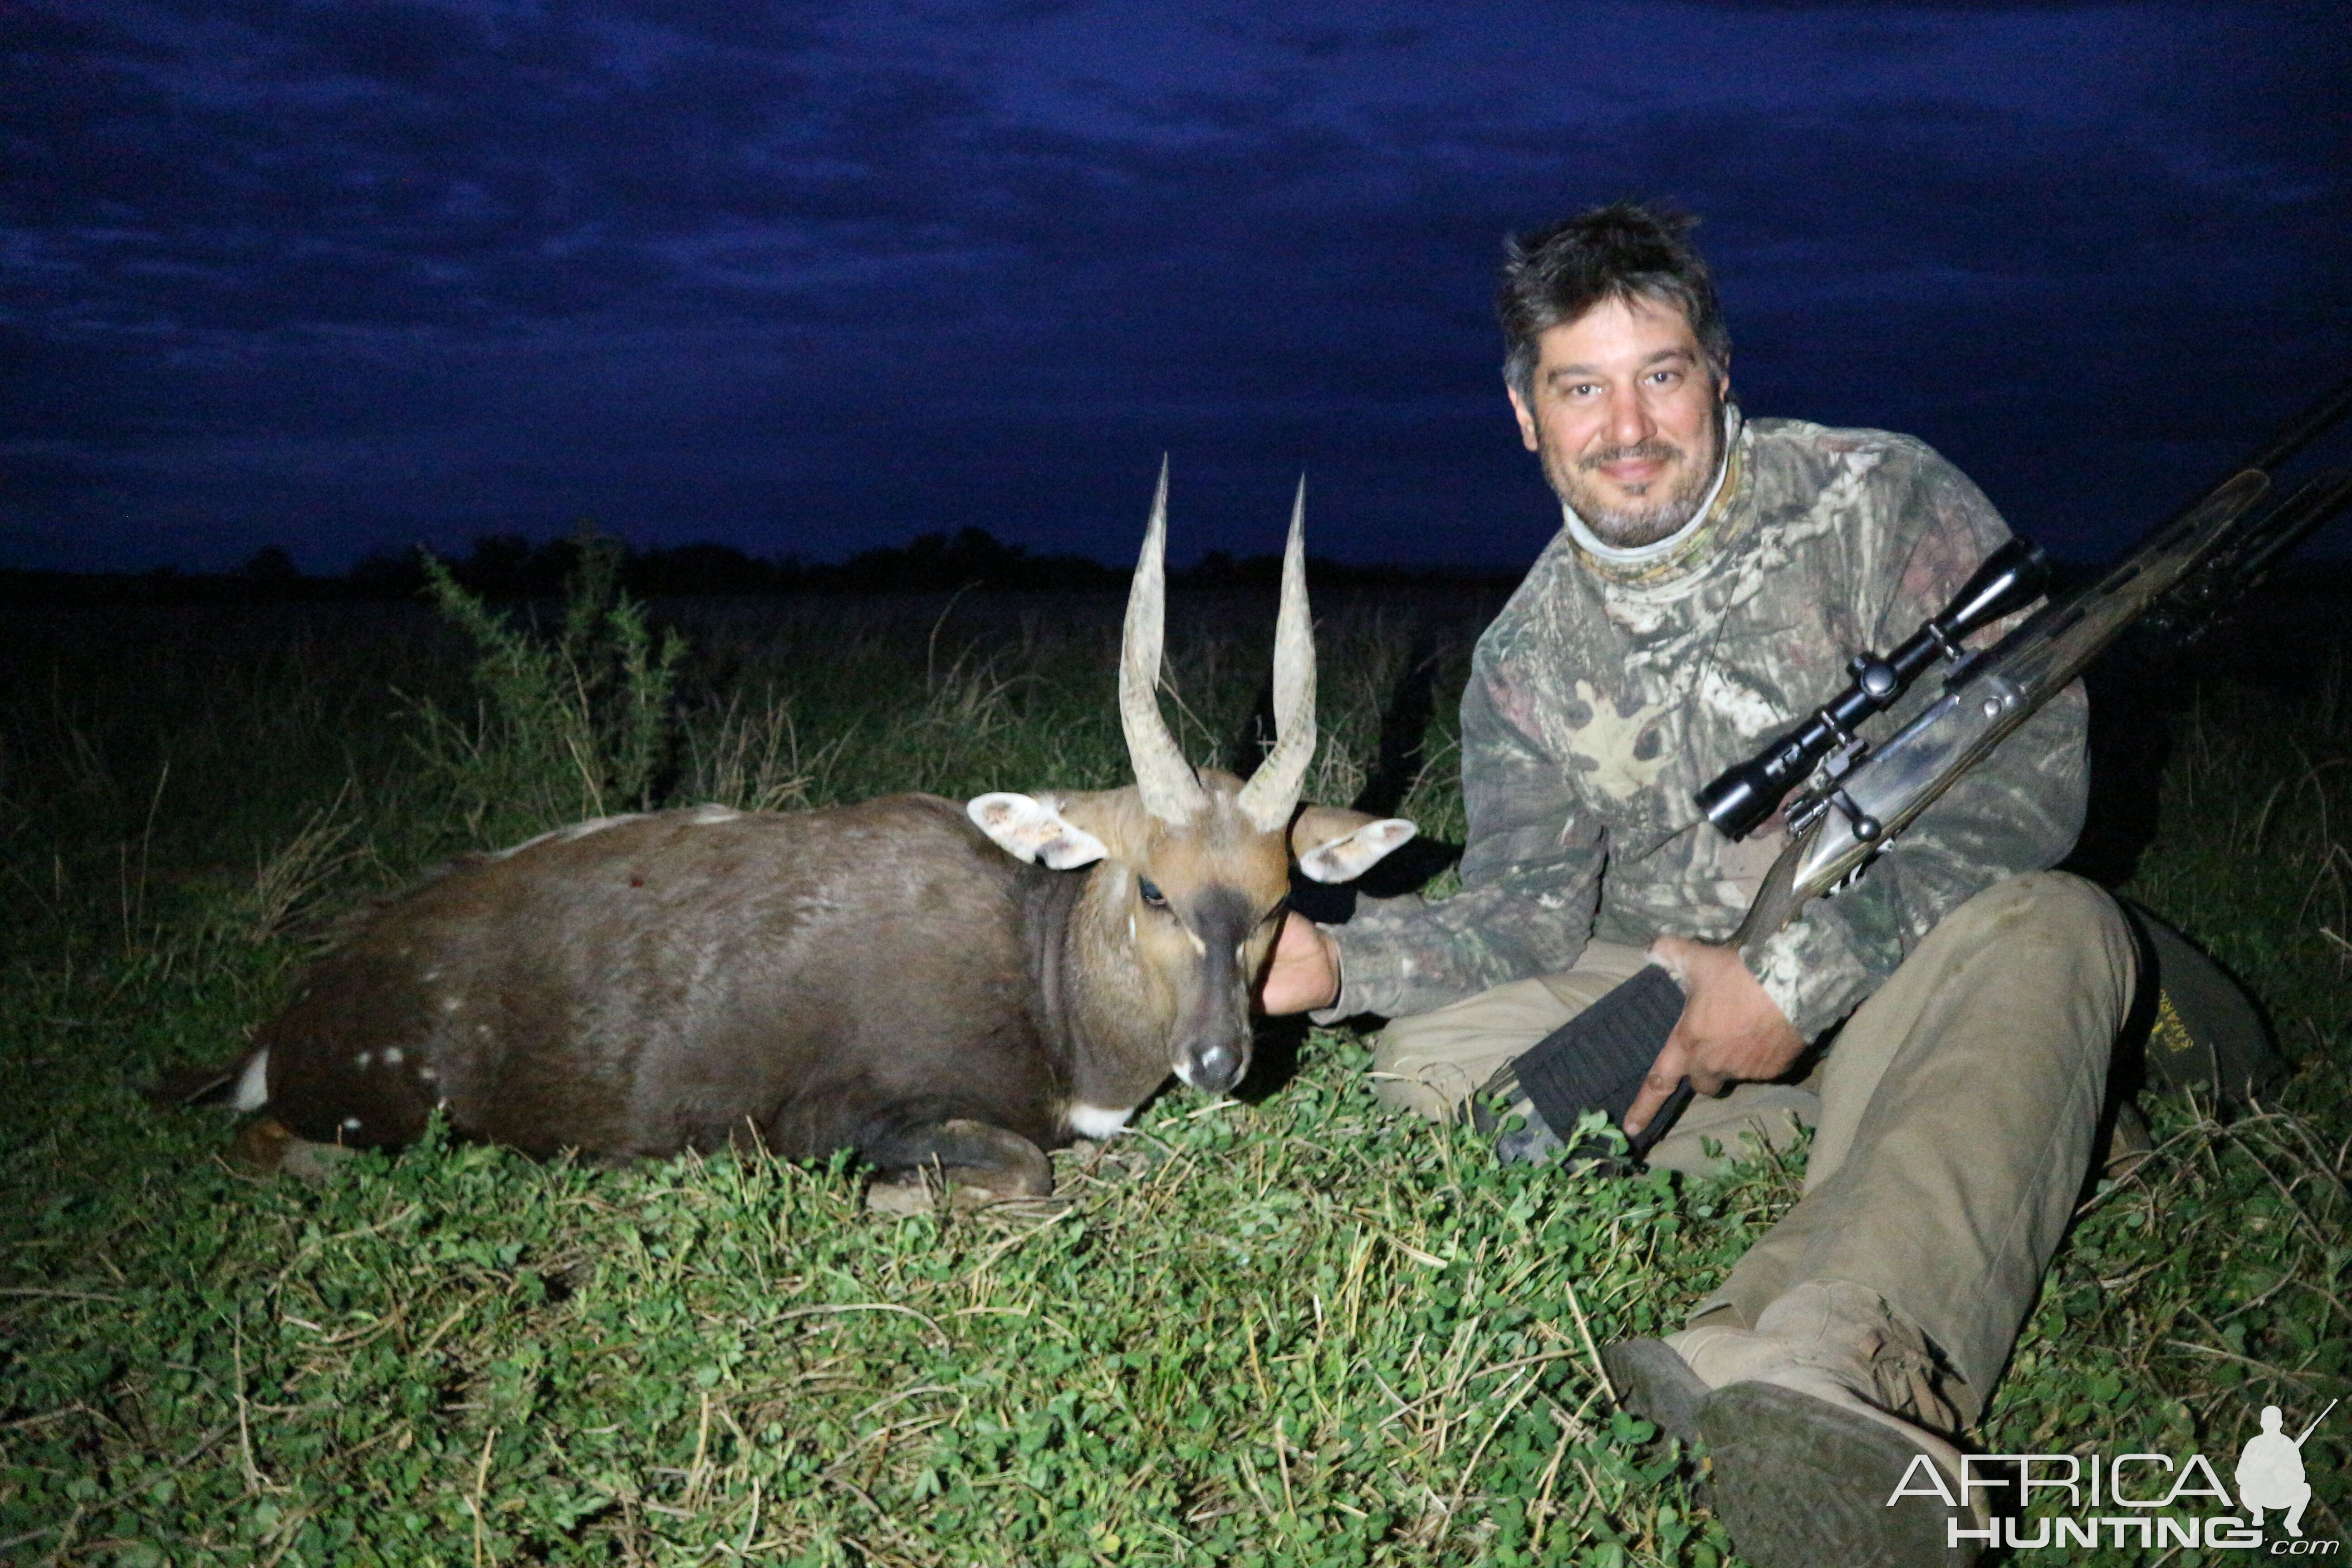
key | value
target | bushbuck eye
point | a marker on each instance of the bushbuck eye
(1152, 893)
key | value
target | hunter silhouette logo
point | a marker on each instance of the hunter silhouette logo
(2270, 1471)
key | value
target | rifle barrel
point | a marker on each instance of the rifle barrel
(2296, 519)
(2298, 432)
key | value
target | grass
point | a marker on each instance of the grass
(1285, 1329)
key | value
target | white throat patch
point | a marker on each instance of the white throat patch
(1094, 1122)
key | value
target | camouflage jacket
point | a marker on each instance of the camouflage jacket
(1605, 694)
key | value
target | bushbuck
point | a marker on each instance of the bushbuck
(926, 984)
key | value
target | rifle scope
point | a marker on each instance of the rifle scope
(1746, 793)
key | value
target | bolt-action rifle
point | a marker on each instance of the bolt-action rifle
(1857, 798)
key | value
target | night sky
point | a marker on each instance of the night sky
(811, 278)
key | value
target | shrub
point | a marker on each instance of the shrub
(565, 727)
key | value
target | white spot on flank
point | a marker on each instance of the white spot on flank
(253, 1084)
(392, 1056)
(430, 976)
(1094, 1122)
(712, 812)
(351, 1123)
(362, 1059)
(451, 1004)
(428, 1075)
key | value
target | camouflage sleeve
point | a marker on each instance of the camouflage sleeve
(1530, 882)
(2019, 810)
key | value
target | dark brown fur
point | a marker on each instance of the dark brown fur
(665, 983)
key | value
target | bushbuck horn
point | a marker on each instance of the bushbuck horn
(1171, 789)
(1271, 792)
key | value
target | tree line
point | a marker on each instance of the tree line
(510, 566)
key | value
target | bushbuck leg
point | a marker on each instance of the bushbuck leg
(970, 1154)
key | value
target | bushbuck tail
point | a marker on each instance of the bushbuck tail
(926, 984)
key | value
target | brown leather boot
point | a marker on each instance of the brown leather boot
(1814, 1420)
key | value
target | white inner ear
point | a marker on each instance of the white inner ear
(1035, 831)
(1345, 859)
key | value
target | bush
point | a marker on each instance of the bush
(565, 727)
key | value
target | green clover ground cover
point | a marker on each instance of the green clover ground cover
(1296, 1330)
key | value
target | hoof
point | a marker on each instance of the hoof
(917, 1194)
(261, 1144)
(971, 1154)
(265, 1145)
(906, 1198)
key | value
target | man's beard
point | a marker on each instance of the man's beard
(1673, 496)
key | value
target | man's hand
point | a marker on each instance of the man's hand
(1303, 972)
(1730, 1031)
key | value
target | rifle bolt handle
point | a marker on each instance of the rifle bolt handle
(1865, 826)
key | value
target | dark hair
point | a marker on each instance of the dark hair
(1623, 251)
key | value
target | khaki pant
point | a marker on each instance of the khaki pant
(1954, 1114)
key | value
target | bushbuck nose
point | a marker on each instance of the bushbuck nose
(1216, 1069)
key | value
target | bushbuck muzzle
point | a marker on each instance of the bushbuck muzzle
(1212, 1027)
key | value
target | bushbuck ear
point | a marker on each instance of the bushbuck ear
(1335, 846)
(1034, 830)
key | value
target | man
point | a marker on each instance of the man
(2270, 1473)
(1712, 576)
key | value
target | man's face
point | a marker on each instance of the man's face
(1627, 414)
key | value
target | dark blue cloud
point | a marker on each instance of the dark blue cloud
(813, 278)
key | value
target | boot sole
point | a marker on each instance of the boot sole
(1800, 1483)
(1657, 1384)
